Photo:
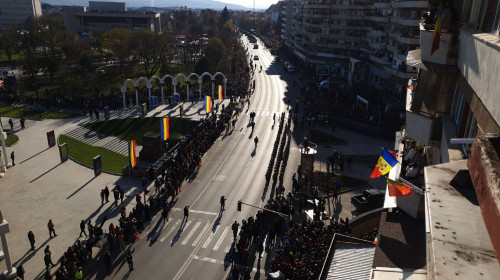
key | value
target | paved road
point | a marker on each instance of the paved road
(232, 168)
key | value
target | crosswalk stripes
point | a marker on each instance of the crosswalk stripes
(197, 240)
(170, 230)
(217, 245)
(190, 234)
(209, 239)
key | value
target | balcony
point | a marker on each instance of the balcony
(400, 74)
(382, 4)
(379, 18)
(380, 60)
(406, 4)
(406, 21)
(479, 62)
(443, 55)
(408, 40)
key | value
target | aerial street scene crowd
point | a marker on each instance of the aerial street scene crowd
(284, 139)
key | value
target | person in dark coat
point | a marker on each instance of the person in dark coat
(82, 228)
(106, 194)
(31, 238)
(20, 271)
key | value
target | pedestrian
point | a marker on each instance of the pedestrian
(186, 213)
(31, 238)
(102, 196)
(106, 194)
(12, 157)
(235, 227)
(48, 261)
(107, 260)
(11, 123)
(20, 271)
(50, 226)
(222, 203)
(116, 194)
(122, 195)
(130, 262)
(253, 126)
(260, 248)
(82, 228)
(22, 120)
(79, 272)
(47, 251)
(90, 229)
(121, 240)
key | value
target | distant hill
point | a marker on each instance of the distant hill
(195, 4)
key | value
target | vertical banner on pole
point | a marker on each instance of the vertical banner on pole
(51, 138)
(97, 165)
(132, 159)
(165, 128)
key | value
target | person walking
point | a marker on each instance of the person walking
(22, 120)
(12, 157)
(222, 203)
(116, 194)
(82, 228)
(20, 271)
(106, 194)
(186, 213)
(235, 227)
(11, 123)
(130, 261)
(47, 251)
(90, 228)
(50, 226)
(31, 238)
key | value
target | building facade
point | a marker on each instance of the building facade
(104, 16)
(17, 11)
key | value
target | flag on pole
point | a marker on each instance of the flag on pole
(208, 104)
(437, 36)
(376, 240)
(397, 188)
(165, 128)
(220, 92)
(385, 162)
(132, 159)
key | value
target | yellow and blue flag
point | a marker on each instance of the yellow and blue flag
(385, 162)
(165, 128)
(220, 92)
(132, 159)
(208, 104)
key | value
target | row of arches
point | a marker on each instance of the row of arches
(149, 85)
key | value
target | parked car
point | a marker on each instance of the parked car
(256, 57)
(370, 199)
(255, 46)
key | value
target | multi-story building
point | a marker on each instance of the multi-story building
(365, 42)
(16, 12)
(108, 16)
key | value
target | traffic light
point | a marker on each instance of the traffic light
(239, 206)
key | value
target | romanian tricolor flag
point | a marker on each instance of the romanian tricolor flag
(220, 92)
(437, 36)
(208, 104)
(376, 240)
(165, 128)
(384, 164)
(132, 159)
(397, 188)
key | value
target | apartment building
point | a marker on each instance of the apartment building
(362, 42)
(17, 11)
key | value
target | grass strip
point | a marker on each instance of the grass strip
(130, 129)
(11, 139)
(33, 114)
(83, 153)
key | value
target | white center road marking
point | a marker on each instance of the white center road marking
(191, 232)
(170, 231)
(217, 245)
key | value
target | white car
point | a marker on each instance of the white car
(256, 57)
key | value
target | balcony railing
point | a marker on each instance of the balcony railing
(444, 54)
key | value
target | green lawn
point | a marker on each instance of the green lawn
(33, 114)
(129, 129)
(83, 153)
(11, 139)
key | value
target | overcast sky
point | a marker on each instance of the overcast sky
(259, 4)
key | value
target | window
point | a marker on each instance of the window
(457, 106)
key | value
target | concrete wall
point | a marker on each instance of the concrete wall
(479, 62)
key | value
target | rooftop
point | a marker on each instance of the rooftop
(458, 243)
